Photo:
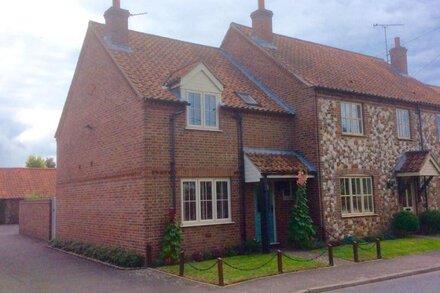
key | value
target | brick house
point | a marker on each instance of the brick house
(16, 183)
(219, 135)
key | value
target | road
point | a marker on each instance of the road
(424, 283)
(27, 265)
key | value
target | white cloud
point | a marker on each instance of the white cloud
(41, 41)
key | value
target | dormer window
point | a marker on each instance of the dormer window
(248, 99)
(202, 110)
(197, 85)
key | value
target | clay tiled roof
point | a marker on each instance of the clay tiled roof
(413, 161)
(336, 69)
(278, 163)
(18, 182)
(153, 60)
(436, 88)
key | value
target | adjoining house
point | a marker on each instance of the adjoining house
(16, 183)
(219, 135)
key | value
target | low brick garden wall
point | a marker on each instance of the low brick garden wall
(35, 219)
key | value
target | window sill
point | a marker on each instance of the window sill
(354, 135)
(198, 224)
(359, 215)
(203, 129)
(405, 139)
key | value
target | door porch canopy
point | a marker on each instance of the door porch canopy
(417, 164)
(275, 164)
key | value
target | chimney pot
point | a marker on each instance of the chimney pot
(116, 25)
(399, 58)
(262, 23)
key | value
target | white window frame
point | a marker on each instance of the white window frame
(203, 125)
(403, 127)
(214, 220)
(362, 195)
(352, 119)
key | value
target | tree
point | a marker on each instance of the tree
(34, 161)
(301, 228)
(50, 163)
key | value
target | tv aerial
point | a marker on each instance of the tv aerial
(385, 28)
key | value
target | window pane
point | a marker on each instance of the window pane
(356, 195)
(210, 111)
(438, 126)
(189, 201)
(194, 112)
(206, 200)
(403, 130)
(222, 200)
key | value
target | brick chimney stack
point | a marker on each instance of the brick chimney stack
(262, 23)
(116, 25)
(399, 59)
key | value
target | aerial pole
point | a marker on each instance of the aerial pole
(385, 27)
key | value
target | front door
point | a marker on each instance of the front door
(271, 221)
(409, 195)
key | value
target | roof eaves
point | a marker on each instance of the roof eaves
(258, 83)
(312, 168)
(350, 91)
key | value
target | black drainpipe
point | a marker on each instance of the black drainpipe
(173, 156)
(419, 113)
(239, 118)
(422, 147)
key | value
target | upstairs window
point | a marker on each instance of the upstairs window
(351, 117)
(202, 110)
(403, 129)
(248, 99)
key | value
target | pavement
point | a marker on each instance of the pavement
(27, 265)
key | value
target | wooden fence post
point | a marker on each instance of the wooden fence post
(182, 263)
(221, 281)
(280, 261)
(356, 251)
(330, 255)
(378, 249)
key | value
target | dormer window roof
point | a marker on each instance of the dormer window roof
(248, 99)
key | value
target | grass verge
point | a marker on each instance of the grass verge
(390, 248)
(245, 262)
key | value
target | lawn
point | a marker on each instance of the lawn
(246, 262)
(390, 248)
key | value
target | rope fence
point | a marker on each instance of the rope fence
(279, 255)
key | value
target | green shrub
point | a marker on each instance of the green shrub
(252, 246)
(33, 197)
(113, 255)
(404, 223)
(301, 231)
(430, 222)
(172, 240)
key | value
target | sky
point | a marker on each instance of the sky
(40, 42)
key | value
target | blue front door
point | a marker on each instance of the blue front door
(271, 216)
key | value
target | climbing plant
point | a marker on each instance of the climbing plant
(301, 229)
(172, 240)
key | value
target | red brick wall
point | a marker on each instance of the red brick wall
(301, 131)
(35, 219)
(101, 168)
